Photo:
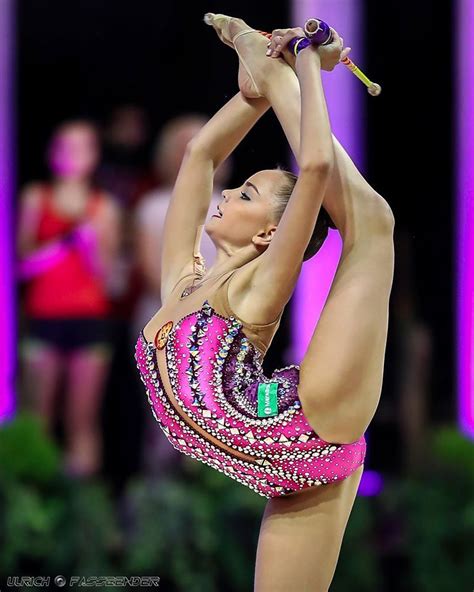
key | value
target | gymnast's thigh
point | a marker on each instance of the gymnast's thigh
(301, 536)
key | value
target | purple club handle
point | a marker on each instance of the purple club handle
(304, 42)
(317, 33)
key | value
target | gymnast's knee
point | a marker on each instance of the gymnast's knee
(326, 423)
(381, 214)
(337, 434)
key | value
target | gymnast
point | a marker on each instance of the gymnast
(296, 437)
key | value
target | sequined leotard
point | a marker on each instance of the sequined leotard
(222, 410)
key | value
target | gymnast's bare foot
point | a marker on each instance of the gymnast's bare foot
(250, 46)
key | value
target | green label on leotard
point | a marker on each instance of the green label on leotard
(267, 399)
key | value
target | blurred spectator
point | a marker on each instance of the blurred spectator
(67, 241)
(124, 169)
(149, 221)
(402, 415)
(124, 172)
(415, 358)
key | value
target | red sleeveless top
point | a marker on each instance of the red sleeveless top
(68, 289)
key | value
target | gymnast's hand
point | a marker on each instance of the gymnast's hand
(330, 54)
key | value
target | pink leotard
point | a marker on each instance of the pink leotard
(214, 412)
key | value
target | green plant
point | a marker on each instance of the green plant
(26, 452)
(437, 512)
(48, 522)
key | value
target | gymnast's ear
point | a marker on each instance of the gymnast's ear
(264, 237)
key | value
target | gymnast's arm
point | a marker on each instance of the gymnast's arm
(192, 192)
(281, 263)
(284, 98)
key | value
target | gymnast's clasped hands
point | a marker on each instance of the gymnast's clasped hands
(287, 43)
(330, 55)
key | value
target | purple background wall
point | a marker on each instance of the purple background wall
(7, 174)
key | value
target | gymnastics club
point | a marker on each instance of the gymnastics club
(319, 33)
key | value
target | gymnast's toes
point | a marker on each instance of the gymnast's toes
(225, 26)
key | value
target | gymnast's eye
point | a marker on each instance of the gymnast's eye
(244, 195)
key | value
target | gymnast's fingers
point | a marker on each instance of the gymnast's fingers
(344, 53)
(274, 47)
(281, 38)
(337, 40)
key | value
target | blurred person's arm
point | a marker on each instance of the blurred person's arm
(193, 189)
(101, 246)
(34, 259)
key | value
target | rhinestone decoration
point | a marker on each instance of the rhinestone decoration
(214, 371)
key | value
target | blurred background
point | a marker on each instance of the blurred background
(98, 101)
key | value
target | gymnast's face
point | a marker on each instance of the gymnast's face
(246, 213)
